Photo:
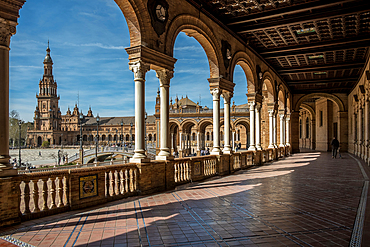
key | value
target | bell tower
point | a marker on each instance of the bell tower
(47, 114)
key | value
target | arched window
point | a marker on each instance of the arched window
(238, 136)
(150, 137)
(155, 137)
(194, 137)
(127, 137)
(207, 136)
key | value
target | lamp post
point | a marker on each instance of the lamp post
(20, 128)
(97, 139)
(81, 148)
(121, 137)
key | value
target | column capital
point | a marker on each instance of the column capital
(227, 96)
(7, 29)
(258, 106)
(252, 105)
(215, 93)
(271, 112)
(164, 76)
(139, 68)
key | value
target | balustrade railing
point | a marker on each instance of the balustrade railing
(182, 171)
(51, 192)
(43, 193)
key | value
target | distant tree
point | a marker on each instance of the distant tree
(45, 144)
(14, 129)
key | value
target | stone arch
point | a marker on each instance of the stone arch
(242, 121)
(331, 97)
(173, 123)
(268, 89)
(309, 109)
(242, 59)
(135, 22)
(202, 125)
(281, 98)
(288, 105)
(194, 27)
(188, 123)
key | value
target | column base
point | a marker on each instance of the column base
(216, 151)
(8, 172)
(252, 148)
(139, 160)
(227, 151)
(160, 157)
(271, 146)
(258, 148)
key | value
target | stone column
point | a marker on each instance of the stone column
(294, 124)
(233, 140)
(139, 68)
(282, 123)
(343, 131)
(198, 143)
(7, 29)
(287, 129)
(271, 128)
(172, 141)
(274, 121)
(359, 134)
(313, 134)
(252, 145)
(216, 121)
(258, 126)
(227, 97)
(164, 77)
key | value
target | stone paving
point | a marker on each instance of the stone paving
(307, 199)
(48, 155)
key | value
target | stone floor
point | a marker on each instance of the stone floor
(48, 155)
(308, 199)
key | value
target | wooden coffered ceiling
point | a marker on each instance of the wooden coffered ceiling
(327, 57)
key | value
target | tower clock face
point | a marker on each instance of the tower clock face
(161, 12)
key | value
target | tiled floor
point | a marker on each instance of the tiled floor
(307, 199)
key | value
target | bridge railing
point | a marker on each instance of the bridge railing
(51, 192)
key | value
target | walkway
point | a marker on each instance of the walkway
(307, 199)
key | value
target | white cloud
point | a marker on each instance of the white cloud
(99, 45)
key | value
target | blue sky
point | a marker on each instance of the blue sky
(87, 43)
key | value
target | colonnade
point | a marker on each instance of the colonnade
(139, 68)
(361, 129)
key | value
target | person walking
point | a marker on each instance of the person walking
(334, 147)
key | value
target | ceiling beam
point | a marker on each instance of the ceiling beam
(331, 45)
(318, 90)
(292, 9)
(323, 81)
(320, 68)
(303, 18)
